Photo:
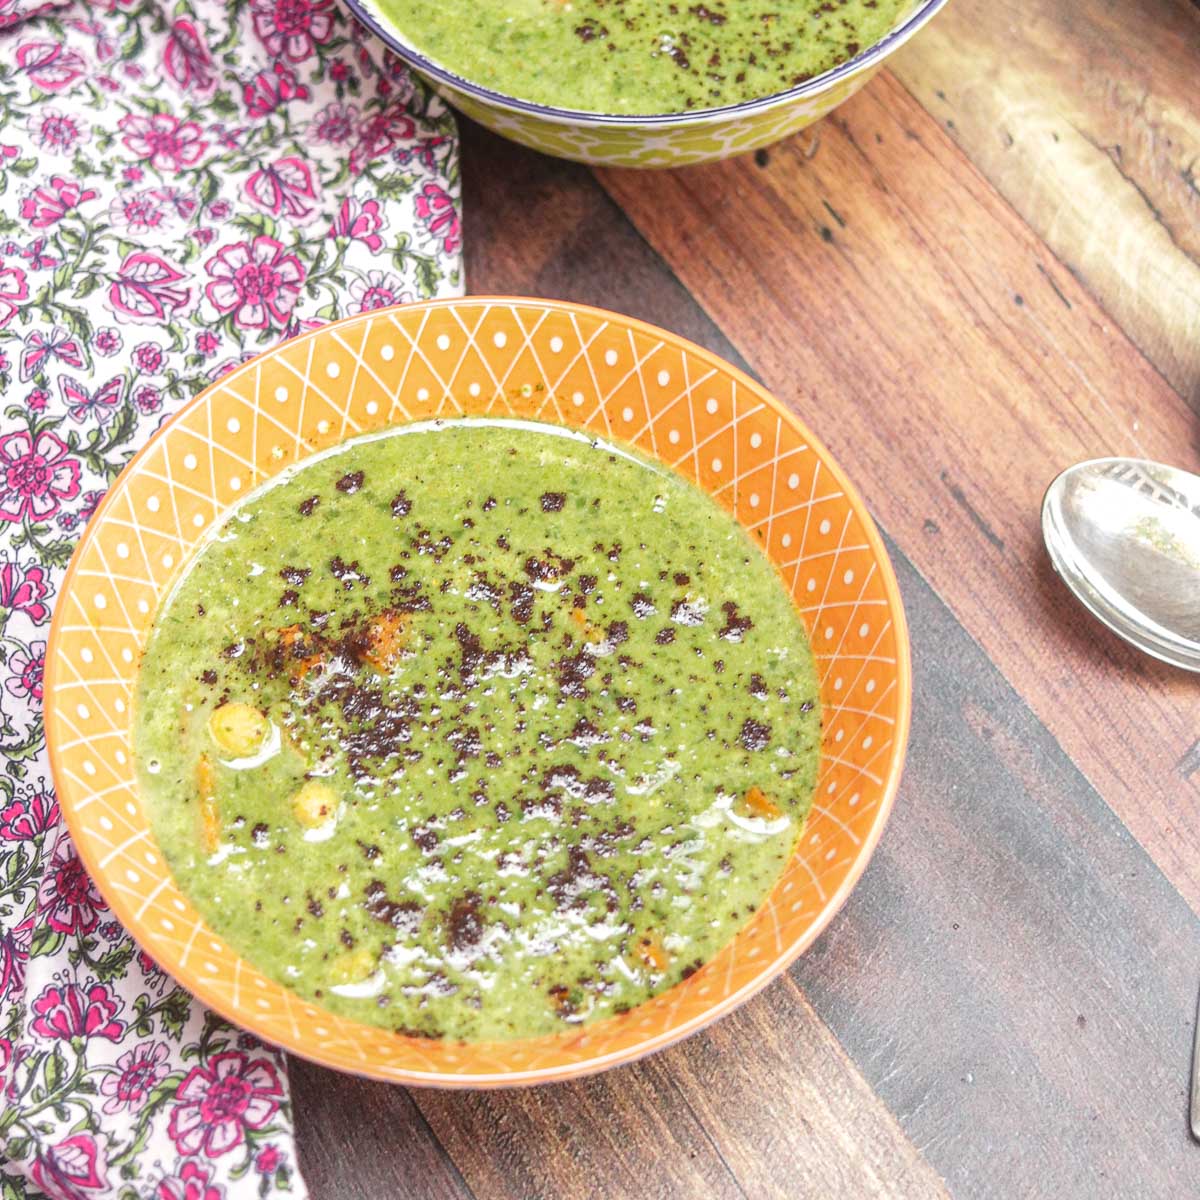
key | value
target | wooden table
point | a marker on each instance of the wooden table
(983, 268)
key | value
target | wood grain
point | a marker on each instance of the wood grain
(764, 1105)
(359, 1140)
(1084, 115)
(880, 285)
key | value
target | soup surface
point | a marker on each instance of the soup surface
(475, 729)
(640, 56)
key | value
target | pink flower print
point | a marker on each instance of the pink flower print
(27, 667)
(269, 89)
(73, 1169)
(15, 944)
(50, 65)
(138, 1071)
(48, 204)
(360, 221)
(207, 343)
(292, 29)
(187, 61)
(339, 72)
(170, 145)
(37, 473)
(59, 132)
(180, 202)
(72, 1010)
(436, 208)
(285, 189)
(204, 236)
(378, 289)
(335, 124)
(29, 814)
(378, 135)
(42, 349)
(194, 1182)
(149, 357)
(91, 501)
(296, 327)
(83, 403)
(139, 212)
(267, 1161)
(37, 260)
(13, 289)
(7, 152)
(4, 362)
(148, 289)
(111, 931)
(107, 341)
(133, 174)
(36, 400)
(217, 1103)
(23, 587)
(147, 399)
(67, 521)
(68, 900)
(219, 210)
(255, 281)
(150, 968)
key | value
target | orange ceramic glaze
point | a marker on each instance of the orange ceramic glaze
(554, 362)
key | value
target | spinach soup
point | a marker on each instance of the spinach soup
(477, 729)
(640, 56)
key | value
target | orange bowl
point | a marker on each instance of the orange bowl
(560, 363)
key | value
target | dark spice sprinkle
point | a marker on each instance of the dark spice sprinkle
(754, 735)
(350, 482)
(401, 505)
(209, 677)
(289, 598)
(309, 506)
(296, 576)
(664, 637)
(489, 504)
(642, 606)
(553, 501)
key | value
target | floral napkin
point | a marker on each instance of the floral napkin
(181, 185)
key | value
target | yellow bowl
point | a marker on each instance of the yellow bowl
(562, 363)
(664, 140)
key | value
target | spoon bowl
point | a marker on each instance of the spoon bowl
(1124, 535)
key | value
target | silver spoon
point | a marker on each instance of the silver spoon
(1124, 534)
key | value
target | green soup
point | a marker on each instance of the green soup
(478, 729)
(640, 56)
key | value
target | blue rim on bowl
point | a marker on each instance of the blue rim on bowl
(873, 54)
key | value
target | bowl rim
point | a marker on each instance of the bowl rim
(208, 994)
(366, 12)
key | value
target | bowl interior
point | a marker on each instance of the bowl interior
(552, 362)
(912, 17)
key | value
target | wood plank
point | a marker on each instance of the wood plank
(791, 1115)
(614, 1135)
(358, 1140)
(766, 1104)
(1084, 115)
(1013, 975)
(954, 366)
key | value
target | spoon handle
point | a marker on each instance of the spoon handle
(1194, 1114)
